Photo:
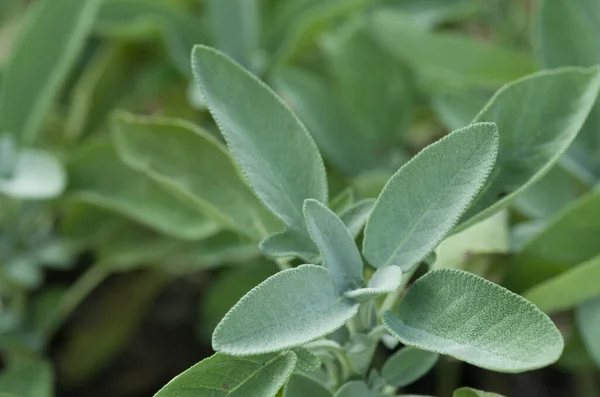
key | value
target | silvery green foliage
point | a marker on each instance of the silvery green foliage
(323, 319)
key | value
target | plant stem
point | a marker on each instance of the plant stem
(76, 294)
(448, 375)
(392, 299)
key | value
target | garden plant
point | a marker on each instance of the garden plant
(324, 198)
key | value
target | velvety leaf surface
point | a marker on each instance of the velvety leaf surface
(291, 308)
(33, 379)
(468, 392)
(588, 322)
(337, 247)
(307, 361)
(568, 239)
(276, 153)
(221, 376)
(97, 176)
(290, 243)
(300, 385)
(467, 317)
(385, 280)
(423, 201)
(53, 36)
(408, 365)
(356, 216)
(568, 289)
(452, 60)
(531, 141)
(188, 162)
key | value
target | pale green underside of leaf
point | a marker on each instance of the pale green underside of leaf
(290, 243)
(384, 281)
(448, 59)
(588, 323)
(568, 239)
(532, 141)
(301, 385)
(568, 289)
(408, 365)
(467, 317)
(225, 376)
(34, 379)
(291, 308)
(423, 201)
(188, 162)
(54, 34)
(274, 150)
(468, 392)
(97, 176)
(337, 247)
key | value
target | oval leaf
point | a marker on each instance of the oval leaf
(408, 365)
(423, 201)
(221, 376)
(467, 317)
(386, 280)
(276, 153)
(530, 142)
(302, 386)
(588, 322)
(338, 249)
(291, 308)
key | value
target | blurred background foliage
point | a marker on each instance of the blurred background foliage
(112, 280)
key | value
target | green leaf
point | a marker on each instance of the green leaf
(343, 144)
(356, 216)
(356, 388)
(568, 239)
(290, 243)
(408, 365)
(428, 13)
(291, 308)
(568, 289)
(307, 361)
(302, 386)
(54, 34)
(490, 236)
(236, 29)
(97, 176)
(448, 59)
(469, 318)
(186, 161)
(531, 142)
(221, 376)
(140, 20)
(276, 153)
(384, 281)
(588, 323)
(423, 201)
(457, 108)
(31, 379)
(336, 245)
(36, 175)
(468, 392)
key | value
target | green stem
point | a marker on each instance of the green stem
(448, 374)
(76, 294)
(392, 299)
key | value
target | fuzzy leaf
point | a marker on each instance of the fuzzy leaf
(307, 361)
(276, 153)
(530, 142)
(588, 323)
(55, 32)
(336, 245)
(568, 289)
(303, 386)
(291, 308)
(451, 60)
(97, 176)
(225, 376)
(467, 317)
(290, 243)
(187, 161)
(385, 280)
(356, 388)
(356, 216)
(408, 365)
(423, 201)
(468, 392)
